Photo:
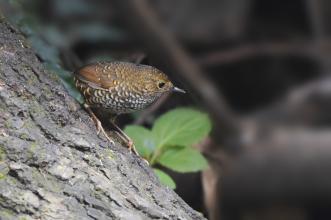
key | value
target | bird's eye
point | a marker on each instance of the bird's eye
(161, 84)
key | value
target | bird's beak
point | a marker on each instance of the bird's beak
(175, 89)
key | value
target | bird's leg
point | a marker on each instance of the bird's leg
(124, 137)
(98, 124)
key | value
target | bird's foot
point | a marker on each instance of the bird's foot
(98, 124)
(100, 129)
(132, 148)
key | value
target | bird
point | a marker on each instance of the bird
(120, 88)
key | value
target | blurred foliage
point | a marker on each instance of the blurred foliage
(67, 80)
(169, 142)
(73, 7)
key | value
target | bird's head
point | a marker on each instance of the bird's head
(155, 81)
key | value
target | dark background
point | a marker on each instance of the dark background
(261, 68)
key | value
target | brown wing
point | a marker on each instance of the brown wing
(98, 75)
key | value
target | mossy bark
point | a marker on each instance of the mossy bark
(52, 163)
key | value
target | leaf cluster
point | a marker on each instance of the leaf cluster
(169, 142)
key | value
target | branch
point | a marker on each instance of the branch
(292, 165)
(307, 49)
(306, 105)
(319, 34)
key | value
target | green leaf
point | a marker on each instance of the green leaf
(183, 160)
(165, 178)
(181, 126)
(142, 138)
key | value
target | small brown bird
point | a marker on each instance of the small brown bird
(121, 87)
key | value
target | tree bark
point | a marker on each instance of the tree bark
(52, 163)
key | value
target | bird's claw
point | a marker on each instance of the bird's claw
(100, 129)
(98, 124)
(132, 148)
(146, 161)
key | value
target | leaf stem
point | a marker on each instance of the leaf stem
(155, 155)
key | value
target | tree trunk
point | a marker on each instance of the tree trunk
(52, 163)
